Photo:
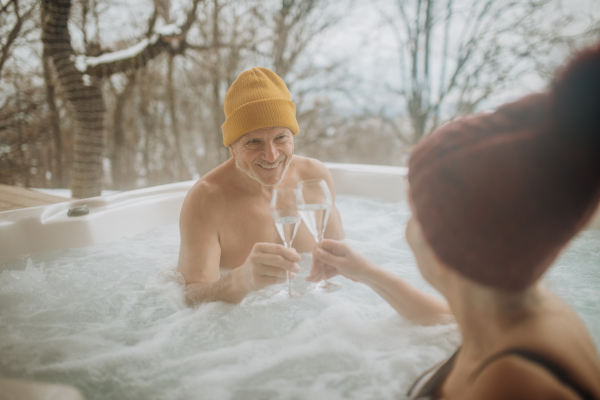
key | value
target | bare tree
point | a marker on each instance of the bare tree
(297, 24)
(13, 17)
(553, 36)
(22, 130)
(453, 56)
(80, 78)
(296, 28)
(227, 35)
(121, 154)
(58, 158)
(155, 106)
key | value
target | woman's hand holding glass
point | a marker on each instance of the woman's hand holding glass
(334, 258)
(314, 203)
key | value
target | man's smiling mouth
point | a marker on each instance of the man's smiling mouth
(270, 166)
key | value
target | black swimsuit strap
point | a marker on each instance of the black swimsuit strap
(551, 366)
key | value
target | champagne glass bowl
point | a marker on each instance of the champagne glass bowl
(287, 220)
(314, 201)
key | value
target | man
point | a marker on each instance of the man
(225, 220)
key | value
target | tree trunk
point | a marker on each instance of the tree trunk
(218, 153)
(57, 170)
(419, 122)
(182, 171)
(119, 168)
(86, 100)
(148, 131)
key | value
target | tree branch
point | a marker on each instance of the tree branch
(14, 32)
(138, 55)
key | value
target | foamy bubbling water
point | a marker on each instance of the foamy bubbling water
(110, 319)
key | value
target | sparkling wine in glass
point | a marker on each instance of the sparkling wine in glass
(314, 204)
(287, 220)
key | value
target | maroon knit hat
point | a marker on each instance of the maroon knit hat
(499, 195)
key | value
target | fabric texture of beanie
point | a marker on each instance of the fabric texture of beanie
(499, 195)
(258, 98)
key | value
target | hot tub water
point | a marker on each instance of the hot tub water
(110, 319)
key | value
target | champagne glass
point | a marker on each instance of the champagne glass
(287, 220)
(314, 203)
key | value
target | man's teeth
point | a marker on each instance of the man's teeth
(270, 166)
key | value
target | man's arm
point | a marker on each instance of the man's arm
(200, 254)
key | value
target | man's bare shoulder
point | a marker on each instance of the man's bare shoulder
(204, 198)
(310, 168)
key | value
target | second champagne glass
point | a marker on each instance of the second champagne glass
(287, 220)
(314, 204)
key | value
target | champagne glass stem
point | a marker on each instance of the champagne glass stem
(287, 274)
(319, 241)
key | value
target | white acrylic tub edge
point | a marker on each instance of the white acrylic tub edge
(38, 229)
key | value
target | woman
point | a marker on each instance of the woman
(495, 198)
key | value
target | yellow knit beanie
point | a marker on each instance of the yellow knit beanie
(258, 98)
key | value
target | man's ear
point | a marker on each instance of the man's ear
(231, 151)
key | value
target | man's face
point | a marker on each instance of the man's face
(264, 154)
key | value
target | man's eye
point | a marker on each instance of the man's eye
(280, 137)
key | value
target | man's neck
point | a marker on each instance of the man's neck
(249, 184)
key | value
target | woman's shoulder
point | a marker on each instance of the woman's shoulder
(518, 377)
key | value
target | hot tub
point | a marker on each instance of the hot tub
(38, 229)
(107, 315)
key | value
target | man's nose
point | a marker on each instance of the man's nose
(271, 153)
